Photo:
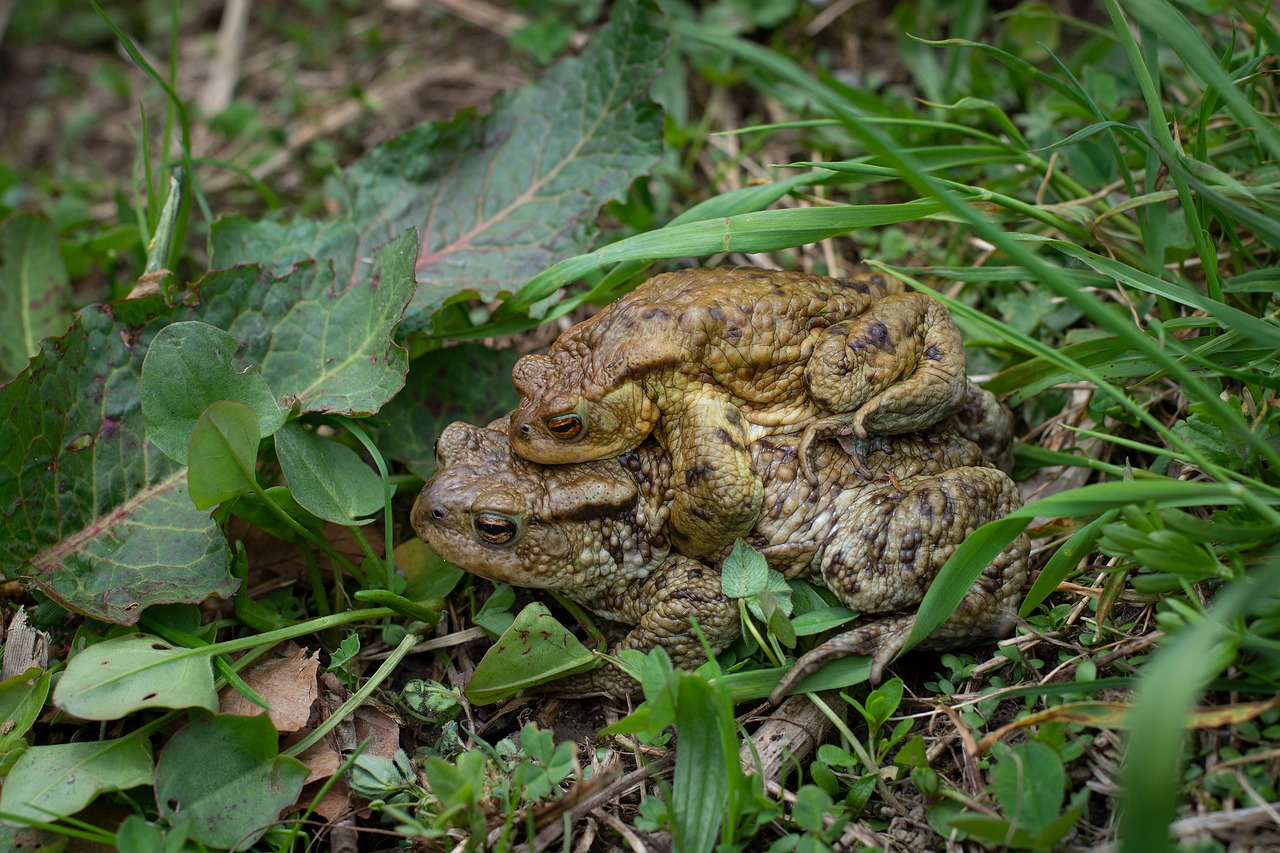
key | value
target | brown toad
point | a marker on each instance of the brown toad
(595, 531)
(710, 360)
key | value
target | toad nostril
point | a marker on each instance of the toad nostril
(526, 430)
(437, 513)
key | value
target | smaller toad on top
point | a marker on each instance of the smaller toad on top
(711, 360)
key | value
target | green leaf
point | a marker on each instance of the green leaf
(744, 572)
(35, 293)
(811, 807)
(326, 478)
(1229, 451)
(30, 838)
(700, 788)
(254, 509)
(1057, 829)
(21, 698)
(321, 340)
(189, 366)
(1028, 780)
(761, 231)
(50, 782)
(495, 615)
(224, 450)
(497, 197)
(817, 621)
(241, 785)
(116, 677)
(96, 516)
(468, 382)
(426, 575)
(997, 831)
(534, 650)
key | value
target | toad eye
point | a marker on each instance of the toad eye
(565, 427)
(494, 529)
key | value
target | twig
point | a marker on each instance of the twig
(790, 733)
(226, 68)
(483, 15)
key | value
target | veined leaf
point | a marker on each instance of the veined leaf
(496, 198)
(58, 780)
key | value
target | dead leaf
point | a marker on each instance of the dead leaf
(287, 683)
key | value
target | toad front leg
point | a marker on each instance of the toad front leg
(717, 491)
(897, 368)
(889, 547)
(662, 607)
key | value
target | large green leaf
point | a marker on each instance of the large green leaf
(116, 677)
(497, 197)
(35, 294)
(321, 339)
(92, 513)
(534, 650)
(700, 789)
(241, 784)
(49, 782)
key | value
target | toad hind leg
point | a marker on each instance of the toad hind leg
(898, 367)
(887, 551)
(718, 492)
(880, 640)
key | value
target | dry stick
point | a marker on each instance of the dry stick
(828, 15)
(617, 825)
(24, 648)
(226, 69)
(484, 15)
(791, 732)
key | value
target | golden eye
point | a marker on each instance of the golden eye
(494, 529)
(565, 427)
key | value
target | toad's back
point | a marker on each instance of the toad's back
(749, 331)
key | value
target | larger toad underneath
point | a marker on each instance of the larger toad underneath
(711, 360)
(596, 532)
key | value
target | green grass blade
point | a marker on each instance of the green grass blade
(979, 549)
(699, 789)
(1166, 21)
(761, 231)
(1068, 555)
(1170, 684)
(1256, 329)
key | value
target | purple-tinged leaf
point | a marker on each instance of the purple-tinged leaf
(90, 512)
(497, 198)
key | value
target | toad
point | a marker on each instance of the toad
(710, 360)
(596, 532)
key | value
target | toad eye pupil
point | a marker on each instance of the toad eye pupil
(565, 427)
(495, 528)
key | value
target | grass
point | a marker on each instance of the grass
(1095, 201)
